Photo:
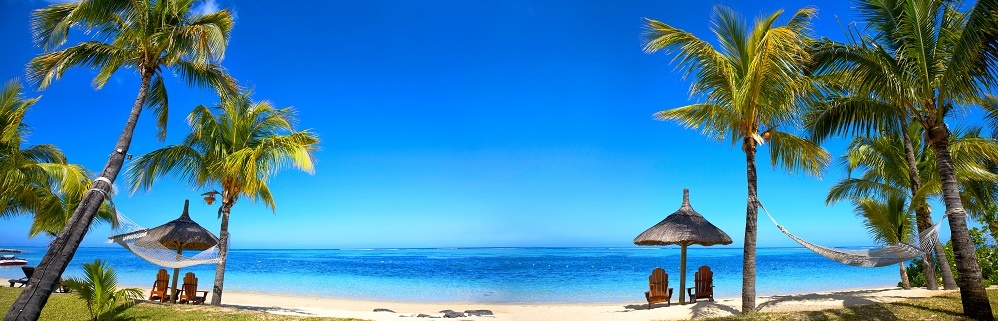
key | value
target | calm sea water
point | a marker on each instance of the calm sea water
(492, 275)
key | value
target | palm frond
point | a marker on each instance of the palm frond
(797, 154)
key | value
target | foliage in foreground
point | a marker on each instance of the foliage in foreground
(67, 307)
(939, 308)
(987, 257)
(98, 288)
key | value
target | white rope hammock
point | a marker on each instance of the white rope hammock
(877, 257)
(129, 235)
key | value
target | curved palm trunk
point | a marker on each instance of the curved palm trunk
(751, 227)
(30, 302)
(905, 284)
(972, 293)
(923, 219)
(223, 253)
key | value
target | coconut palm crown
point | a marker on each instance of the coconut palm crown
(751, 85)
(36, 180)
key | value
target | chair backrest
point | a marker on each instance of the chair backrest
(658, 281)
(704, 280)
(162, 280)
(28, 271)
(190, 286)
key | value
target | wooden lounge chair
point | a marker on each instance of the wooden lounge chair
(703, 285)
(160, 287)
(28, 272)
(658, 288)
(190, 291)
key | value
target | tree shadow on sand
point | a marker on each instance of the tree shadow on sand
(698, 310)
(852, 298)
(706, 309)
(273, 309)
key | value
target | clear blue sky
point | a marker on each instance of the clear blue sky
(452, 123)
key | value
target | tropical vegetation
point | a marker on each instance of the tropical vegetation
(149, 37)
(925, 59)
(36, 180)
(751, 85)
(237, 145)
(888, 222)
(98, 288)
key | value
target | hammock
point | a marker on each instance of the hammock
(129, 235)
(884, 256)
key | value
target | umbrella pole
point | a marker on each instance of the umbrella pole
(176, 273)
(682, 275)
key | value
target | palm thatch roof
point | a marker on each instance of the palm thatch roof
(684, 227)
(181, 233)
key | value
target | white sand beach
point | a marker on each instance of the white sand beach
(637, 310)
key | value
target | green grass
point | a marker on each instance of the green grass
(67, 307)
(938, 308)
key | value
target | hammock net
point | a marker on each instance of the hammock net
(129, 235)
(877, 257)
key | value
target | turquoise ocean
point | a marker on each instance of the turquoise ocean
(491, 275)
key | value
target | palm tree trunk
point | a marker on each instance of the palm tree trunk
(905, 284)
(972, 293)
(223, 253)
(44, 281)
(922, 217)
(751, 227)
(949, 283)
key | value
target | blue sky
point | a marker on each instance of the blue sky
(452, 123)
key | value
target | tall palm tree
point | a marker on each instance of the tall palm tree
(888, 222)
(237, 145)
(845, 100)
(35, 180)
(931, 58)
(751, 85)
(150, 37)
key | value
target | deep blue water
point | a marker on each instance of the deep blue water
(492, 275)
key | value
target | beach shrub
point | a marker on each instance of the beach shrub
(987, 258)
(99, 290)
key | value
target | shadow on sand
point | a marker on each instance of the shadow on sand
(848, 299)
(268, 309)
(701, 309)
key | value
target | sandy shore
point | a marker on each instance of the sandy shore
(637, 310)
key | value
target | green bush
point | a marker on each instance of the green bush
(987, 258)
(99, 290)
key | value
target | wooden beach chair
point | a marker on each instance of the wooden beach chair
(703, 285)
(28, 272)
(658, 288)
(190, 291)
(160, 287)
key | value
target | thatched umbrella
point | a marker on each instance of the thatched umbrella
(180, 234)
(684, 227)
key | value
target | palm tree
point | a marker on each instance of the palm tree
(98, 289)
(36, 180)
(752, 85)
(884, 173)
(239, 147)
(930, 58)
(888, 223)
(150, 37)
